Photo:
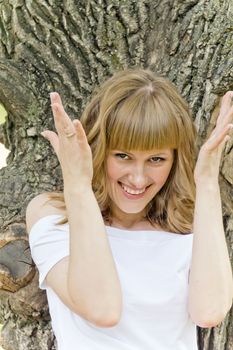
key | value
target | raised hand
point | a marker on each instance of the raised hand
(208, 162)
(71, 147)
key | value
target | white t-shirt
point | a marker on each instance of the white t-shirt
(153, 268)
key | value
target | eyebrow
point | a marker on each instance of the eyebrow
(154, 154)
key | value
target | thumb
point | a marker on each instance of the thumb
(52, 137)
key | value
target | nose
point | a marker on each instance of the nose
(138, 178)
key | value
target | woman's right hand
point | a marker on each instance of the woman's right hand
(71, 147)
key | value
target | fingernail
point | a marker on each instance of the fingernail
(52, 95)
(43, 133)
(76, 122)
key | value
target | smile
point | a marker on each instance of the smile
(132, 194)
(131, 191)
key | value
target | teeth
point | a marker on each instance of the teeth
(129, 190)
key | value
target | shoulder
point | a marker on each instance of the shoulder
(42, 205)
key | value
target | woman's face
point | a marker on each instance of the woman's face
(139, 172)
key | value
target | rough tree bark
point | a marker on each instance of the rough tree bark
(71, 46)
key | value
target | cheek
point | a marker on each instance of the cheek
(113, 171)
(167, 172)
(161, 177)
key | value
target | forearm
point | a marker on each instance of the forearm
(210, 281)
(92, 276)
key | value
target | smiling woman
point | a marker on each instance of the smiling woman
(134, 258)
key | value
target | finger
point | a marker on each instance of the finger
(52, 137)
(225, 122)
(226, 104)
(81, 135)
(63, 123)
(55, 98)
(221, 137)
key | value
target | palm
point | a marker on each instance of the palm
(207, 166)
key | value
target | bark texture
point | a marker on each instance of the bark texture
(71, 46)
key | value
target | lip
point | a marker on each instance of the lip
(132, 196)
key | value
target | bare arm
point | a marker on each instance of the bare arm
(92, 283)
(92, 278)
(210, 280)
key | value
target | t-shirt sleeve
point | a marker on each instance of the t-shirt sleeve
(49, 243)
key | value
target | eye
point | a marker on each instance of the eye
(121, 155)
(157, 159)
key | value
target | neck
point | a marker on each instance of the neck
(121, 219)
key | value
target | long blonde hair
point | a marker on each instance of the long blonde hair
(137, 110)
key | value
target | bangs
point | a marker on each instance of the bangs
(143, 122)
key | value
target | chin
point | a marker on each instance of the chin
(131, 210)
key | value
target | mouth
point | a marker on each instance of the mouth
(132, 195)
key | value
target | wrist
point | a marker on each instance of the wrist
(77, 189)
(207, 181)
(207, 186)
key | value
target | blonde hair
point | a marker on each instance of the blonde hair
(137, 110)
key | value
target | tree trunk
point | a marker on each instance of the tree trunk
(71, 46)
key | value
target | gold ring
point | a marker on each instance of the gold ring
(70, 134)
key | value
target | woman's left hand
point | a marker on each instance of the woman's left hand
(208, 162)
